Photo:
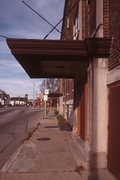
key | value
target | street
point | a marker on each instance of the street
(16, 124)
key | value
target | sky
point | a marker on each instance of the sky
(19, 21)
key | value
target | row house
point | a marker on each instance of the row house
(96, 97)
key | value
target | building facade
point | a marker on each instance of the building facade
(66, 101)
(17, 101)
(113, 82)
(81, 56)
(95, 92)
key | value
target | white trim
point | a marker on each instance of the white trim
(80, 20)
(113, 75)
(99, 114)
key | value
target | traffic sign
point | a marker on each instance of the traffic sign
(45, 97)
(46, 91)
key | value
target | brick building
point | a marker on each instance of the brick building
(113, 82)
(96, 117)
(81, 57)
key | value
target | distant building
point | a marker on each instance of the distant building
(39, 102)
(51, 102)
(4, 98)
(17, 101)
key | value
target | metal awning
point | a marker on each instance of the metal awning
(57, 58)
(55, 94)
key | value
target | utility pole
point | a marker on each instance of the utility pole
(45, 115)
(33, 94)
(46, 92)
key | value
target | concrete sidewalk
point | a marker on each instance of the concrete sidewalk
(50, 154)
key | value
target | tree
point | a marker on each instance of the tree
(4, 98)
(51, 83)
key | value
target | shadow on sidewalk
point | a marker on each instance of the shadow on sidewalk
(64, 127)
(63, 124)
(52, 116)
(51, 127)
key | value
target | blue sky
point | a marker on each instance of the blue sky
(18, 21)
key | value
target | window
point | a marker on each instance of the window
(76, 28)
(68, 23)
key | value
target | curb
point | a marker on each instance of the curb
(12, 158)
(19, 149)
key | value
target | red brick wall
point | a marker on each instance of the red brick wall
(92, 16)
(68, 89)
(67, 32)
(85, 25)
(106, 18)
(114, 32)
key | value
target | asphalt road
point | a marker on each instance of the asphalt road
(16, 123)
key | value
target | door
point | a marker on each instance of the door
(114, 130)
(82, 110)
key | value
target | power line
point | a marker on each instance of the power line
(41, 16)
(61, 19)
(54, 27)
(3, 36)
